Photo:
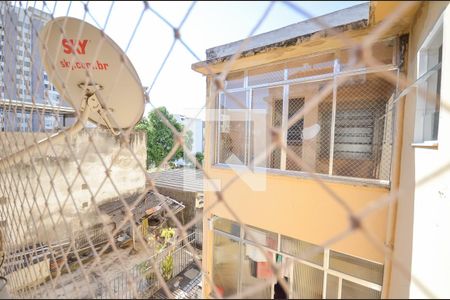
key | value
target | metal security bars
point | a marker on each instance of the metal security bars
(349, 134)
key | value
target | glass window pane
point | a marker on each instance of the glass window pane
(309, 138)
(311, 66)
(227, 226)
(267, 108)
(255, 271)
(303, 250)
(351, 290)
(363, 128)
(234, 80)
(261, 237)
(232, 129)
(356, 267)
(307, 283)
(225, 265)
(332, 287)
(429, 91)
(266, 74)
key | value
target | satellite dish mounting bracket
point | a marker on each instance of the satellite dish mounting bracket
(91, 100)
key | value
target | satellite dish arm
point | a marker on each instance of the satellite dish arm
(55, 138)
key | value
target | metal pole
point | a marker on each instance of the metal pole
(284, 125)
(333, 118)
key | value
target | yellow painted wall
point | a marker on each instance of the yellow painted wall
(422, 242)
(294, 206)
(300, 208)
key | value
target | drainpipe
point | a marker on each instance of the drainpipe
(395, 184)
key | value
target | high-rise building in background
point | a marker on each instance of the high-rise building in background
(196, 126)
(24, 81)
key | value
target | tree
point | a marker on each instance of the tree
(160, 138)
(199, 156)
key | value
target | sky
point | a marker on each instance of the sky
(209, 24)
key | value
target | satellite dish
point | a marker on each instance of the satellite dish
(71, 49)
(93, 74)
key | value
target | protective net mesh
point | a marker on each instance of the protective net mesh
(81, 216)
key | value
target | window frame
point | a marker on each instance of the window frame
(325, 267)
(423, 73)
(285, 84)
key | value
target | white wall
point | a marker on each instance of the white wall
(422, 237)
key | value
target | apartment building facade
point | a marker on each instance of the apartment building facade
(28, 101)
(352, 133)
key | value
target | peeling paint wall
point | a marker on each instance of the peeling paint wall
(213, 59)
(45, 198)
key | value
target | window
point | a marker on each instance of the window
(49, 122)
(351, 290)
(255, 270)
(266, 75)
(363, 135)
(347, 134)
(227, 226)
(2, 121)
(22, 120)
(267, 108)
(311, 66)
(357, 267)
(310, 135)
(298, 248)
(261, 236)
(232, 128)
(428, 92)
(307, 282)
(226, 265)
(241, 264)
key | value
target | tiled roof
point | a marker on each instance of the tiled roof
(184, 179)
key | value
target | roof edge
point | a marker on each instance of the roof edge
(334, 19)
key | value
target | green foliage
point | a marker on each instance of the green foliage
(167, 262)
(167, 267)
(167, 233)
(199, 156)
(146, 271)
(160, 138)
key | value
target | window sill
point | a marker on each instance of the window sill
(426, 144)
(307, 176)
